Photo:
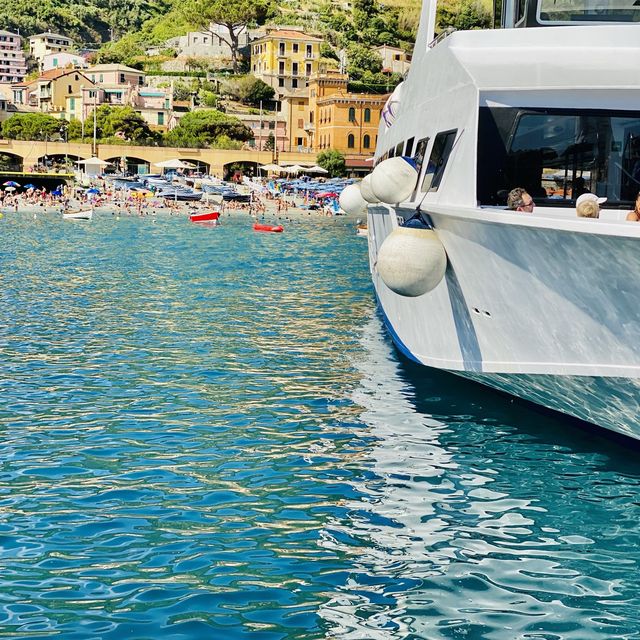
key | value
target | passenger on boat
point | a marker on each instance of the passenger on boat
(519, 200)
(588, 205)
(634, 215)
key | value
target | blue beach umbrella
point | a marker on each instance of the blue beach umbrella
(29, 186)
(10, 183)
(93, 190)
(57, 192)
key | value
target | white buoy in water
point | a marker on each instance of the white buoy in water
(394, 180)
(411, 262)
(367, 191)
(351, 200)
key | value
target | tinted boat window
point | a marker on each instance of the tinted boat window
(563, 11)
(421, 150)
(558, 154)
(408, 150)
(442, 146)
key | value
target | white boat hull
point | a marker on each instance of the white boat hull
(79, 215)
(549, 314)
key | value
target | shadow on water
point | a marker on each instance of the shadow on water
(454, 399)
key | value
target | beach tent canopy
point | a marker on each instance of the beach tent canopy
(93, 161)
(271, 167)
(316, 169)
(175, 163)
(294, 168)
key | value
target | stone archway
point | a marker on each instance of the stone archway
(199, 166)
(11, 162)
(128, 165)
(235, 171)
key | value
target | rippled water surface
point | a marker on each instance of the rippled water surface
(206, 434)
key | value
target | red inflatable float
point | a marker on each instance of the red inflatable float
(273, 228)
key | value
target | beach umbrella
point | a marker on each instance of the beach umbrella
(10, 183)
(175, 163)
(271, 167)
(9, 188)
(57, 192)
(93, 190)
(29, 186)
(294, 168)
(316, 169)
(93, 161)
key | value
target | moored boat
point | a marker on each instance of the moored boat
(537, 302)
(77, 214)
(210, 216)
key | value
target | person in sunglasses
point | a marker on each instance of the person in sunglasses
(520, 200)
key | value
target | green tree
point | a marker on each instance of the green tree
(205, 127)
(123, 122)
(249, 90)
(32, 126)
(236, 17)
(125, 51)
(333, 161)
(463, 15)
(362, 59)
(270, 144)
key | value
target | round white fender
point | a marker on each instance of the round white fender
(412, 262)
(351, 200)
(394, 179)
(367, 191)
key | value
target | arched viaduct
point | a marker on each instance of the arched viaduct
(29, 154)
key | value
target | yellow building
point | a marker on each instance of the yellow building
(53, 87)
(285, 59)
(347, 122)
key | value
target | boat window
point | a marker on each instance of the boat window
(392, 152)
(572, 11)
(557, 154)
(408, 150)
(399, 147)
(442, 146)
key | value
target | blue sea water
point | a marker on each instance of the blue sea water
(205, 433)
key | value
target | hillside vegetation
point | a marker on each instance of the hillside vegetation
(88, 21)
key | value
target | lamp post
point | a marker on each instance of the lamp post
(64, 137)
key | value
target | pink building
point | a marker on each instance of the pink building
(13, 66)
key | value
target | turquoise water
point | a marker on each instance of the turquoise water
(206, 434)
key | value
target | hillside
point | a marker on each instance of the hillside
(89, 22)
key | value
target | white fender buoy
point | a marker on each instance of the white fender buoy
(367, 191)
(412, 262)
(394, 179)
(351, 200)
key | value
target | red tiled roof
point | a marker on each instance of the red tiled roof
(290, 34)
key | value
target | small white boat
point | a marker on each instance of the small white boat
(362, 230)
(77, 214)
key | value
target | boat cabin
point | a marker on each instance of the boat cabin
(553, 13)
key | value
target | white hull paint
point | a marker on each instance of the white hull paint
(545, 305)
(511, 314)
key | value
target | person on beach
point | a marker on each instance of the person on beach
(634, 216)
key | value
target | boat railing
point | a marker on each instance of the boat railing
(441, 36)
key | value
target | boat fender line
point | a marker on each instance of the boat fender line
(351, 200)
(394, 180)
(367, 191)
(412, 262)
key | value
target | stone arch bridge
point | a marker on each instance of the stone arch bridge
(29, 154)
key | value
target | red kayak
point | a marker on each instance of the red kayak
(204, 217)
(274, 228)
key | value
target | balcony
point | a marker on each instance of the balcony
(309, 126)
